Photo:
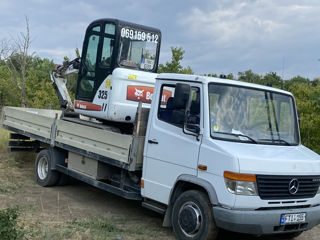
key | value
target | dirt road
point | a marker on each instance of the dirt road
(79, 211)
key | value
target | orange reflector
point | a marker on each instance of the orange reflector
(202, 167)
(240, 176)
(142, 183)
(66, 160)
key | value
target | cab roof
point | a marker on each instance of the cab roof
(207, 80)
(124, 23)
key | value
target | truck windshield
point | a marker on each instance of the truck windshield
(252, 115)
(138, 49)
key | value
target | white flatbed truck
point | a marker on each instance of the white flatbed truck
(217, 154)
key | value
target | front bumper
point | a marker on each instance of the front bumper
(263, 221)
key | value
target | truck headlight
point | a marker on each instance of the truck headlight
(318, 190)
(241, 184)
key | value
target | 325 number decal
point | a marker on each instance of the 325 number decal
(103, 94)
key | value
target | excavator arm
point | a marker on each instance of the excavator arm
(59, 81)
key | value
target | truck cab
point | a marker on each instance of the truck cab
(234, 147)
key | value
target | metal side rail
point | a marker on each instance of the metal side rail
(27, 134)
(132, 195)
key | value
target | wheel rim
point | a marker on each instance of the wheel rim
(43, 168)
(190, 219)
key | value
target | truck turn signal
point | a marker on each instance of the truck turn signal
(240, 176)
(202, 167)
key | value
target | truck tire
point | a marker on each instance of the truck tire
(192, 217)
(43, 173)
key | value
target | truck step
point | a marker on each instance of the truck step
(154, 206)
(125, 193)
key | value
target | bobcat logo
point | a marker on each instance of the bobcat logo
(138, 93)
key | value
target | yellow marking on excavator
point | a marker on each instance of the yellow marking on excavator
(132, 77)
(108, 83)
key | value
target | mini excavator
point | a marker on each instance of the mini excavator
(116, 71)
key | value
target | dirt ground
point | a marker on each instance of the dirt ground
(79, 211)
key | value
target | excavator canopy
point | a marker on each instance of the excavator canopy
(112, 43)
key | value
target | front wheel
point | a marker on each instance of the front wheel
(192, 217)
(43, 173)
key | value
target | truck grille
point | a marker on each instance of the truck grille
(277, 187)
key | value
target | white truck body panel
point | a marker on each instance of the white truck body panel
(123, 89)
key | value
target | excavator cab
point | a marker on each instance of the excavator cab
(117, 70)
(111, 44)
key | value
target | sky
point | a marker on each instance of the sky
(218, 36)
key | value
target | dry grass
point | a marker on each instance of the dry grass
(79, 218)
(95, 228)
(4, 139)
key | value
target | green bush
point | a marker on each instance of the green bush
(9, 229)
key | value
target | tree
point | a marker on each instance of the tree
(294, 80)
(315, 82)
(39, 90)
(308, 103)
(210, 75)
(229, 76)
(17, 59)
(249, 76)
(272, 79)
(8, 89)
(77, 52)
(175, 65)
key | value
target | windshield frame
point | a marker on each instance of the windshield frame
(276, 141)
(139, 30)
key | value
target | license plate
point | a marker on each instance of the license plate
(292, 218)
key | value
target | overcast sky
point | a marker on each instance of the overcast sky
(218, 36)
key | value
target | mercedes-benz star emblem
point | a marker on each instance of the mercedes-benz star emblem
(293, 186)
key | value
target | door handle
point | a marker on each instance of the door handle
(152, 141)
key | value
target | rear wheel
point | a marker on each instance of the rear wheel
(192, 217)
(44, 175)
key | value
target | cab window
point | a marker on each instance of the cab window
(172, 108)
(86, 84)
(138, 49)
(108, 45)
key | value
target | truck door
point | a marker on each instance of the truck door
(97, 59)
(169, 151)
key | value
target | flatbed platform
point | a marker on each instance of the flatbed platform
(101, 143)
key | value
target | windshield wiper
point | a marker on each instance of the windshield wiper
(277, 140)
(238, 135)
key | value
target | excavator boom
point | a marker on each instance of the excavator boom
(59, 82)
